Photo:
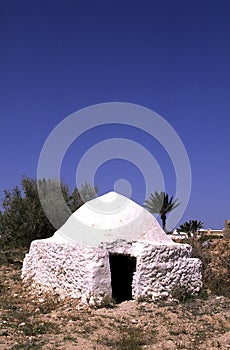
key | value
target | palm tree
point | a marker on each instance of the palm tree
(190, 226)
(159, 203)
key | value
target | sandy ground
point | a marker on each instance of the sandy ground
(46, 322)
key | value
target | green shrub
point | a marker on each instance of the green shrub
(23, 218)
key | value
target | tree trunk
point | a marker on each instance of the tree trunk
(163, 218)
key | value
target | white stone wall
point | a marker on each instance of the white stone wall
(68, 269)
(84, 272)
(163, 270)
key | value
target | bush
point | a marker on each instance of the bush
(23, 218)
(204, 238)
(215, 264)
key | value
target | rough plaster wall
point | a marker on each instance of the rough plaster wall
(68, 269)
(84, 272)
(162, 270)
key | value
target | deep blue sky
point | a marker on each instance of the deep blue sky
(170, 56)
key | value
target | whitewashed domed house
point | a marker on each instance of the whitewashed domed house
(111, 247)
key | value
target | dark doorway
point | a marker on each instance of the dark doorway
(122, 268)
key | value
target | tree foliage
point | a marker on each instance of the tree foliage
(160, 203)
(190, 227)
(23, 218)
(87, 192)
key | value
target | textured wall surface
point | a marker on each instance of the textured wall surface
(166, 269)
(84, 272)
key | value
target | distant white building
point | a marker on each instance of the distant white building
(209, 231)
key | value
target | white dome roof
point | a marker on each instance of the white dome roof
(108, 218)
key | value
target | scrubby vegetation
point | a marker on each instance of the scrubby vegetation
(23, 218)
(215, 257)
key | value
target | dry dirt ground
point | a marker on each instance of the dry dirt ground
(46, 322)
